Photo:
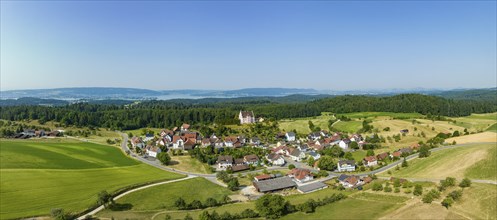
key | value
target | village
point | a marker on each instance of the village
(301, 156)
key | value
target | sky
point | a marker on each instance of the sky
(325, 45)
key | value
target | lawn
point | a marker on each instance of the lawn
(189, 164)
(348, 126)
(471, 161)
(358, 206)
(64, 175)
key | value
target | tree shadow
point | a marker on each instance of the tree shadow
(173, 162)
(120, 207)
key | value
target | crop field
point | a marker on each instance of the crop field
(38, 176)
(472, 161)
(348, 126)
(472, 138)
(492, 128)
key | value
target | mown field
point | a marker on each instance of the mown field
(40, 175)
(162, 198)
(301, 125)
(477, 162)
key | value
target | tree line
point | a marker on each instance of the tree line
(170, 114)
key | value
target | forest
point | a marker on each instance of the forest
(164, 114)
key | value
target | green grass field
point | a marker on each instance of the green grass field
(478, 162)
(382, 114)
(492, 128)
(302, 124)
(164, 196)
(348, 126)
(64, 175)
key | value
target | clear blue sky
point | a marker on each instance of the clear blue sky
(229, 45)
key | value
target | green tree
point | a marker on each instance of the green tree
(404, 163)
(311, 161)
(188, 217)
(447, 202)
(211, 202)
(326, 163)
(418, 190)
(370, 153)
(428, 198)
(233, 184)
(271, 206)
(180, 203)
(424, 151)
(354, 145)
(164, 158)
(291, 166)
(377, 186)
(104, 198)
(58, 214)
(465, 183)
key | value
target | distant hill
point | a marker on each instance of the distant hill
(489, 94)
(32, 101)
(82, 93)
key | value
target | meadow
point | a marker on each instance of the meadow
(477, 161)
(301, 125)
(38, 176)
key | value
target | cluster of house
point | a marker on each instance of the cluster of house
(369, 161)
(29, 133)
(226, 162)
(275, 182)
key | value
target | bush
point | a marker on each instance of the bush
(377, 187)
(428, 198)
(396, 190)
(58, 214)
(455, 195)
(418, 190)
(388, 189)
(447, 202)
(249, 213)
(291, 166)
(164, 158)
(271, 206)
(465, 183)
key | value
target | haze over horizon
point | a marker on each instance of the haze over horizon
(232, 45)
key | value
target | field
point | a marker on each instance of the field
(361, 205)
(364, 115)
(189, 164)
(348, 126)
(478, 202)
(492, 128)
(40, 175)
(477, 161)
(302, 124)
(480, 137)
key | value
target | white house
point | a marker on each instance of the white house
(300, 175)
(344, 143)
(290, 136)
(178, 142)
(296, 154)
(314, 155)
(153, 151)
(224, 162)
(246, 117)
(148, 137)
(370, 161)
(346, 166)
(275, 159)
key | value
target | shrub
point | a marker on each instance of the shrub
(455, 195)
(377, 187)
(428, 198)
(397, 190)
(465, 183)
(418, 190)
(447, 202)
(388, 189)
(291, 166)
